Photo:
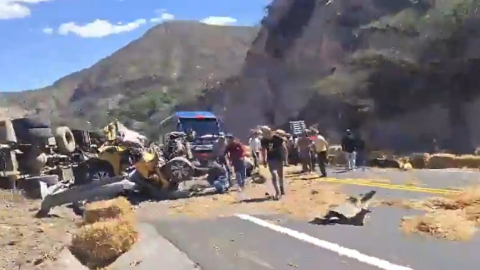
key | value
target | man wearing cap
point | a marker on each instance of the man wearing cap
(321, 148)
(273, 156)
(236, 154)
(349, 147)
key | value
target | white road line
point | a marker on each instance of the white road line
(342, 251)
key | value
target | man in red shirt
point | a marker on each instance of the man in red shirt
(236, 153)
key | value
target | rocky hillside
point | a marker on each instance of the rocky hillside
(168, 65)
(378, 66)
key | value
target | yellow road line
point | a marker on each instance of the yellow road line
(372, 183)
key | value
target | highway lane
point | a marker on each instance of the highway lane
(233, 243)
(225, 243)
(443, 179)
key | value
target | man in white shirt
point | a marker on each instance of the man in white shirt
(321, 148)
(255, 146)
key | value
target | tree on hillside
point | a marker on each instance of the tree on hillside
(430, 62)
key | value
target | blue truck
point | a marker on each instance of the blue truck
(207, 128)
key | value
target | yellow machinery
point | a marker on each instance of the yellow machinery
(150, 168)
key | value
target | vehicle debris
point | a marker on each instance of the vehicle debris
(352, 212)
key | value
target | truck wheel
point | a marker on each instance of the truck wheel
(31, 129)
(179, 170)
(65, 140)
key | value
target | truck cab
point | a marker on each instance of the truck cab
(205, 127)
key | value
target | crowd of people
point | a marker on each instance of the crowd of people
(270, 149)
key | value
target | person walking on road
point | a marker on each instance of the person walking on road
(303, 145)
(273, 156)
(349, 148)
(255, 146)
(236, 154)
(321, 147)
(219, 152)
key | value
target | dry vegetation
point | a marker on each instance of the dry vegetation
(110, 232)
(28, 242)
(306, 199)
(453, 218)
(102, 210)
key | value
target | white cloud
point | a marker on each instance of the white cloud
(98, 28)
(48, 30)
(163, 17)
(15, 9)
(219, 20)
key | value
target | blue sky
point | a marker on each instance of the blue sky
(44, 40)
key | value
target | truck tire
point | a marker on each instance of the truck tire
(179, 170)
(31, 129)
(7, 133)
(65, 140)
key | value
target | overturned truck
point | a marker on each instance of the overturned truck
(32, 154)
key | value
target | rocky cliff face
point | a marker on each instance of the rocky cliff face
(302, 41)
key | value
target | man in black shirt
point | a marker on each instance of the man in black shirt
(349, 147)
(273, 156)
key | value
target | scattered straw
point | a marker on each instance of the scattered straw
(305, 199)
(449, 225)
(453, 217)
(103, 210)
(102, 242)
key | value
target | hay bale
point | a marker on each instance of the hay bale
(444, 161)
(336, 155)
(419, 160)
(103, 242)
(441, 161)
(450, 225)
(468, 161)
(103, 210)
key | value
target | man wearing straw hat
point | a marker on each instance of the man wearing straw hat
(303, 145)
(273, 156)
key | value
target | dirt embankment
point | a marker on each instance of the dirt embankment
(27, 242)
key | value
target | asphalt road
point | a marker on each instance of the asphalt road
(451, 178)
(244, 242)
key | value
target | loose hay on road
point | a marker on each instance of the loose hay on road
(102, 210)
(305, 199)
(100, 243)
(453, 217)
(450, 225)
